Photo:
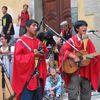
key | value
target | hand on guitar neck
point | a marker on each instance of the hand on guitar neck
(70, 65)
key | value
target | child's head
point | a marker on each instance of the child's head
(4, 39)
(52, 71)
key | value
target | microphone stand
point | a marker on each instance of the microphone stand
(55, 33)
(58, 35)
(96, 34)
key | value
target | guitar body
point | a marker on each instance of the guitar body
(84, 62)
(70, 66)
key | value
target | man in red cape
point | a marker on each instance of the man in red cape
(26, 51)
(79, 82)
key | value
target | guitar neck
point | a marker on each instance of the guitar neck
(92, 55)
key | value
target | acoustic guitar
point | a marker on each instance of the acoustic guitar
(70, 66)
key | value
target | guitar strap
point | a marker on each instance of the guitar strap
(85, 43)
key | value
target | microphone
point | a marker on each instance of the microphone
(38, 28)
(92, 31)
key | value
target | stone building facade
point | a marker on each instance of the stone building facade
(14, 7)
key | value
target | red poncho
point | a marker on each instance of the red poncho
(24, 65)
(91, 72)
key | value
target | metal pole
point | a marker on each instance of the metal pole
(55, 33)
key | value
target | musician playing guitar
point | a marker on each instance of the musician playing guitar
(79, 83)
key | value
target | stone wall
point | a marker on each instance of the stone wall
(14, 7)
(36, 9)
(92, 7)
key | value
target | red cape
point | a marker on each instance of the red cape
(91, 72)
(23, 65)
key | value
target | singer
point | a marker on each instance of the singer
(80, 81)
(27, 48)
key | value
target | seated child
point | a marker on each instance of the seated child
(53, 87)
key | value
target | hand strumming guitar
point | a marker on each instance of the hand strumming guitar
(75, 57)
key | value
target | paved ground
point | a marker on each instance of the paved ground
(95, 96)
